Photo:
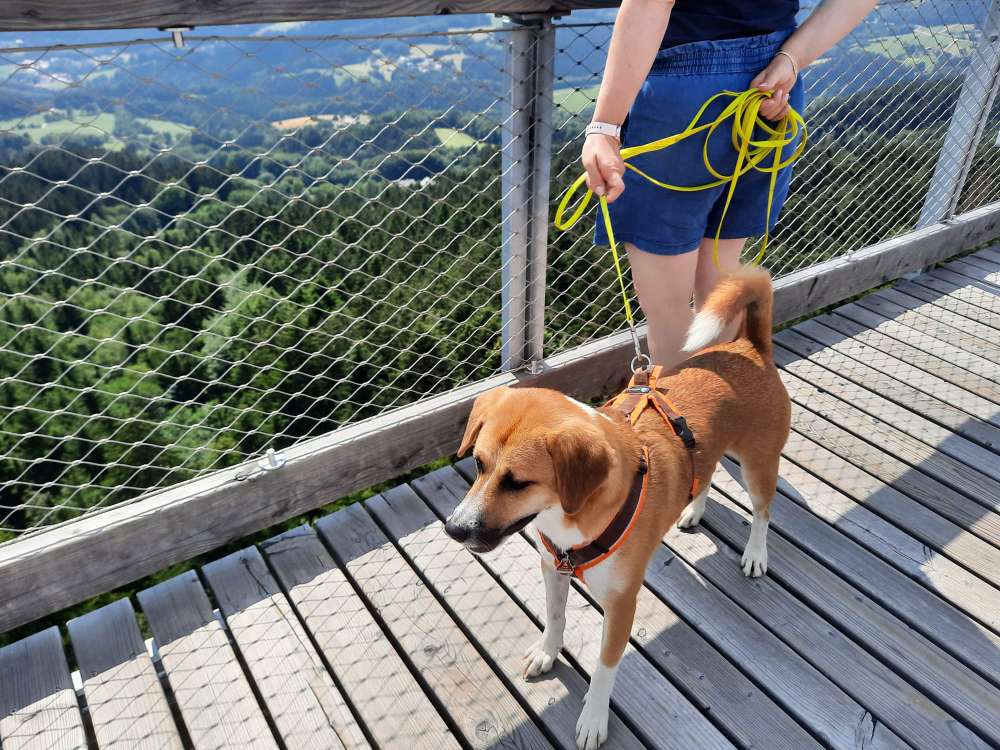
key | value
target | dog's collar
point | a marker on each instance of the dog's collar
(576, 560)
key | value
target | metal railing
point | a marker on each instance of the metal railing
(214, 249)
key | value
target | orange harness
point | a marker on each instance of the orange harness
(641, 392)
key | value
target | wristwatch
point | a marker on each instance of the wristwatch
(604, 128)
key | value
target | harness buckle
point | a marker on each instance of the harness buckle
(563, 565)
(638, 389)
(682, 431)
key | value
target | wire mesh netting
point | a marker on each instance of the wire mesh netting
(212, 250)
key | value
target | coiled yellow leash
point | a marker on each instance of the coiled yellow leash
(743, 109)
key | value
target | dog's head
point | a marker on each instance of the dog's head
(534, 450)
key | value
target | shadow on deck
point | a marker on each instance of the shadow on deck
(877, 626)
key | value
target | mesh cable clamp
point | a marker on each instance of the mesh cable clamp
(272, 460)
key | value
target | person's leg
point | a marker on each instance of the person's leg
(664, 285)
(708, 274)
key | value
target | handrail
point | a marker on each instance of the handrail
(65, 15)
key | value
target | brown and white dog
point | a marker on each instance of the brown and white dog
(562, 469)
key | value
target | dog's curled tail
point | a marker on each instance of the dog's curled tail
(748, 288)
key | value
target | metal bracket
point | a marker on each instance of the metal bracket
(272, 460)
(177, 34)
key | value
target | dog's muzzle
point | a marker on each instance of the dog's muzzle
(478, 538)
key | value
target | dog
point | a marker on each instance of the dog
(597, 493)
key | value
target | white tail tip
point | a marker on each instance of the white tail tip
(704, 331)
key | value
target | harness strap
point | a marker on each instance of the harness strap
(643, 391)
(580, 558)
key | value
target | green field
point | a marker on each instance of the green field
(576, 100)
(922, 49)
(84, 124)
(451, 138)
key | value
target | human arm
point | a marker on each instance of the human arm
(830, 22)
(638, 33)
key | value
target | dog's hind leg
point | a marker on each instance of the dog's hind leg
(542, 654)
(760, 477)
(592, 726)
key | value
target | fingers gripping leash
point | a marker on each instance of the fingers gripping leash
(743, 110)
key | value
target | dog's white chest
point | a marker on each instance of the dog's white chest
(601, 581)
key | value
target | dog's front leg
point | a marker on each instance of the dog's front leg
(542, 654)
(592, 727)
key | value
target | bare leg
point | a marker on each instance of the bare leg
(664, 284)
(708, 275)
(592, 727)
(761, 478)
(542, 654)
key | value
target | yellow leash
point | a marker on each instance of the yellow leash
(743, 109)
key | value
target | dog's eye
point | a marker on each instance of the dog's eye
(509, 483)
(479, 465)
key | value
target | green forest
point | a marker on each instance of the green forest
(172, 310)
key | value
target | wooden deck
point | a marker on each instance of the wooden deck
(877, 626)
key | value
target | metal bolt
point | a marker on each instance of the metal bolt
(272, 461)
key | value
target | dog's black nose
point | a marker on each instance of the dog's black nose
(456, 531)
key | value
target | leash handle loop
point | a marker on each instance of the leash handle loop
(744, 110)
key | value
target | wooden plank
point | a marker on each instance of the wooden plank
(956, 366)
(830, 714)
(990, 253)
(897, 536)
(305, 704)
(473, 695)
(920, 589)
(985, 258)
(212, 693)
(926, 589)
(922, 520)
(917, 485)
(974, 293)
(49, 15)
(903, 678)
(827, 283)
(912, 423)
(890, 309)
(976, 273)
(124, 697)
(952, 302)
(900, 370)
(735, 704)
(376, 680)
(500, 628)
(38, 707)
(982, 335)
(983, 492)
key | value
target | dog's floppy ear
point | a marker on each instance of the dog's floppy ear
(480, 412)
(581, 460)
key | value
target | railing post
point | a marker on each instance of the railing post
(526, 154)
(968, 121)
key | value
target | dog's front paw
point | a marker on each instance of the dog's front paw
(539, 658)
(691, 515)
(754, 560)
(592, 726)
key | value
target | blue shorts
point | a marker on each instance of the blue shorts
(669, 222)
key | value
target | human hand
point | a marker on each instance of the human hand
(778, 78)
(603, 161)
